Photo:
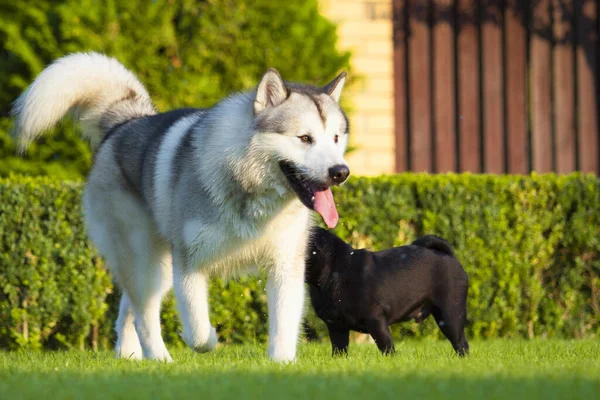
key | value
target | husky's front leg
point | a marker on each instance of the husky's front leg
(191, 292)
(285, 292)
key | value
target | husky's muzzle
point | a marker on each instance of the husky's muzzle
(316, 195)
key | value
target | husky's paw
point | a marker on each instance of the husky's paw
(129, 352)
(163, 356)
(134, 355)
(203, 346)
(282, 355)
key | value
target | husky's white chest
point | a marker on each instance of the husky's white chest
(242, 242)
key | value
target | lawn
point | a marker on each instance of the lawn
(498, 369)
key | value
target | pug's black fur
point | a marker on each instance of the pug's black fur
(368, 291)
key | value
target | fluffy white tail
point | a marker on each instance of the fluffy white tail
(99, 89)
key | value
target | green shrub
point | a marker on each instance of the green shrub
(187, 53)
(529, 244)
(53, 285)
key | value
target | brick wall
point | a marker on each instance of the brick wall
(365, 28)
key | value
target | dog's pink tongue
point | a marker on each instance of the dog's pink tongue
(325, 206)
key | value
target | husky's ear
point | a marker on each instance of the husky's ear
(334, 88)
(271, 91)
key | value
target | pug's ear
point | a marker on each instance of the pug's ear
(334, 88)
(271, 91)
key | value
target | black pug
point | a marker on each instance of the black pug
(368, 291)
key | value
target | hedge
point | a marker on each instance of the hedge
(530, 245)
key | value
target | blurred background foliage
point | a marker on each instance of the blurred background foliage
(186, 52)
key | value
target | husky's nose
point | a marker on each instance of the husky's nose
(339, 173)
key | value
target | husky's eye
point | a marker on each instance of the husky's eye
(336, 138)
(305, 139)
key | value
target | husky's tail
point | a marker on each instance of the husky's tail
(98, 89)
(434, 243)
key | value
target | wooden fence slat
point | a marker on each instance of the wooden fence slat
(420, 88)
(400, 89)
(587, 74)
(493, 84)
(516, 106)
(492, 122)
(564, 88)
(468, 86)
(444, 93)
(541, 50)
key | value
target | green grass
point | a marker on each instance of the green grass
(499, 369)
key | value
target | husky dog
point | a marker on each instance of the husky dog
(175, 197)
